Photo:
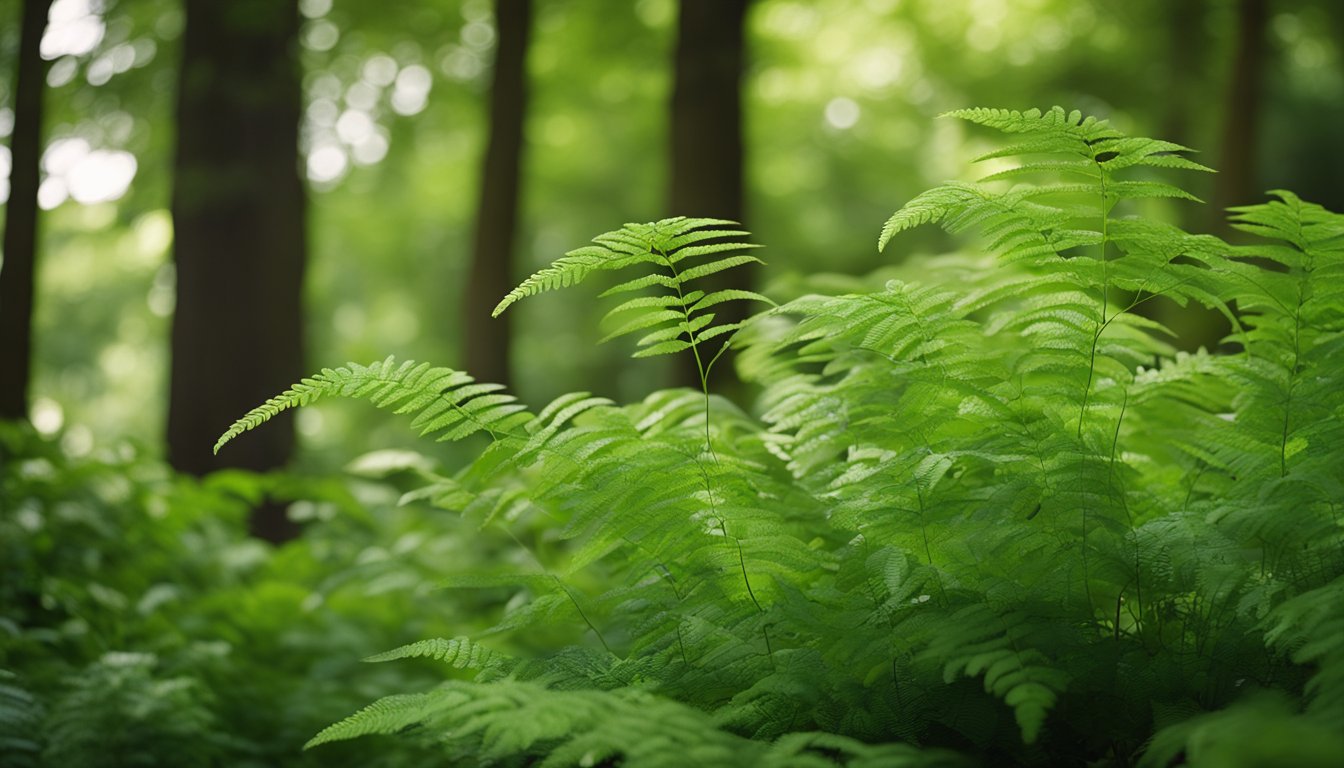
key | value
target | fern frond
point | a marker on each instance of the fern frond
(1055, 122)
(505, 720)
(20, 721)
(673, 321)
(390, 714)
(1310, 627)
(446, 403)
(568, 270)
(458, 652)
(978, 641)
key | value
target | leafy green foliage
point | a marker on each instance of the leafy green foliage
(118, 711)
(446, 403)
(1009, 497)
(140, 625)
(675, 252)
(982, 513)
(20, 717)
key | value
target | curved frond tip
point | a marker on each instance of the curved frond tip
(446, 403)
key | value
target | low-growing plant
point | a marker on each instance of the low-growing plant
(140, 625)
(988, 516)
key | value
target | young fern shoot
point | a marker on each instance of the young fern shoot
(674, 253)
(448, 404)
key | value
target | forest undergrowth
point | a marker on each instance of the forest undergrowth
(983, 514)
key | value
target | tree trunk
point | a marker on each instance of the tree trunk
(491, 276)
(1186, 45)
(706, 134)
(240, 243)
(18, 268)
(1237, 181)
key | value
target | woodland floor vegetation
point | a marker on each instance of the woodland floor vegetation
(982, 511)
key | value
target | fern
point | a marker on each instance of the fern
(577, 728)
(447, 404)
(121, 710)
(20, 717)
(459, 653)
(984, 504)
(676, 252)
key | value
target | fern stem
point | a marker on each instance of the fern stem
(1292, 384)
(742, 563)
(563, 588)
(700, 367)
(928, 551)
(741, 557)
(583, 615)
(1129, 518)
(1119, 602)
(1105, 301)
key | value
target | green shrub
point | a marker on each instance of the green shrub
(140, 625)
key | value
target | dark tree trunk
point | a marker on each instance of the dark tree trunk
(1237, 182)
(240, 243)
(706, 133)
(1187, 47)
(20, 241)
(1187, 44)
(491, 275)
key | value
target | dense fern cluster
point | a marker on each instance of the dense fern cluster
(990, 515)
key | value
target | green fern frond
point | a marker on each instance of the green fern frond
(20, 721)
(670, 322)
(458, 652)
(978, 641)
(506, 720)
(390, 714)
(1055, 122)
(1310, 627)
(446, 403)
(568, 270)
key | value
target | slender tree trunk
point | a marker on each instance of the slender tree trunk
(1237, 181)
(706, 131)
(240, 244)
(1187, 47)
(18, 268)
(491, 276)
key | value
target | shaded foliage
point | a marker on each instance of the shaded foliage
(997, 514)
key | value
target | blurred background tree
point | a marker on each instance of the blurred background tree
(240, 236)
(20, 239)
(705, 131)
(489, 339)
(836, 100)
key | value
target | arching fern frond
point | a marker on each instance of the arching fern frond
(508, 719)
(1093, 151)
(979, 641)
(503, 721)
(1055, 123)
(675, 253)
(458, 652)
(448, 404)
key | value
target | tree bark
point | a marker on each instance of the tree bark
(18, 269)
(488, 340)
(706, 133)
(1187, 44)
(1237, 179)
(240, 243)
